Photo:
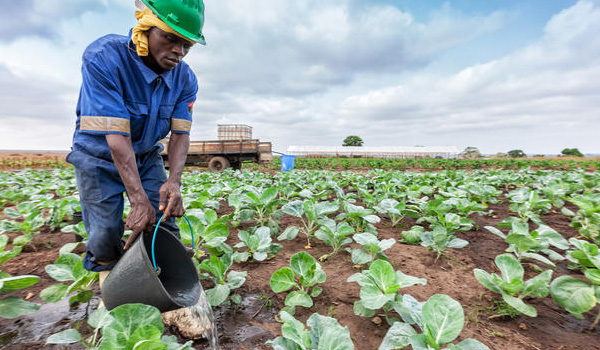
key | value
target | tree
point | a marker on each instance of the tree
(571, 152)
(516, 153)
(352, 140)
(470, 153)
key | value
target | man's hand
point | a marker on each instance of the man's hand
(140, 219)
(170, 201)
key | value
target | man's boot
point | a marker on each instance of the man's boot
(191, 326)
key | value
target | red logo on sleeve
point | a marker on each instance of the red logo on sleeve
(191, 106)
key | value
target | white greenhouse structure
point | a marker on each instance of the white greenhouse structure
(374, 152)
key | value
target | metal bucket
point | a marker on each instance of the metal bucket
(134, 279)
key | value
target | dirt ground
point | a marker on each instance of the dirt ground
(248, 326)
(11, 160)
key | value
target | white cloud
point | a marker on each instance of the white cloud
(549, 88)
(313, 46)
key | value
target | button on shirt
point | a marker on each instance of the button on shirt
(121, 95)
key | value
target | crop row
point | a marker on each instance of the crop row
(437, 164)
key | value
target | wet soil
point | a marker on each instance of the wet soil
(249, 325)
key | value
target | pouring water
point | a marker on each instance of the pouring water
(195, 322)
(203, 315)
(200, 316)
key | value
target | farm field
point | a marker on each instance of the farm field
(532, 228)
(12, 160)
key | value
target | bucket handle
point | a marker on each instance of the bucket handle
(154, 237)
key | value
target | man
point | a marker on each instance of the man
(135, 90)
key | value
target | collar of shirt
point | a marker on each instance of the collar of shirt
(149, 75)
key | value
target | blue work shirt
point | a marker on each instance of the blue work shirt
(121, 95)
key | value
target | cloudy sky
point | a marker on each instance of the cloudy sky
(494, 74)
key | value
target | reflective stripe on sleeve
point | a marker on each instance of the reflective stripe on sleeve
(105, 124)
(182, 125)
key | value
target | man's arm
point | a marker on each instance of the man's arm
(142, 214)
(171, 190)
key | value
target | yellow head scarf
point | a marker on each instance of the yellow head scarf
(146, 20)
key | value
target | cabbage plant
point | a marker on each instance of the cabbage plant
(578, 295)
(59, 210)
(439, 239)
(483, 193)
(379, 287)
(413, 236)
(126, 327)
(13, 306)
(311, 213)
(32, 221)
(585, 255)
(303, 275)
(529, 244)
(69, 268)
(452, 222)
(225, 282)
(334, 235)
(529, 204)
(325, 333)
(587, 218)
(77, 229)
(210, 232)
(512, 285)
(396, 210)
(371, 248)
(363, 219)
(440, 320)
(6, 255)
(252, 203)
(259, 245)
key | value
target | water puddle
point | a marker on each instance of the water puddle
(246, 323)
(49, 319)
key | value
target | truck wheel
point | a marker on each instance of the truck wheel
(218, 164)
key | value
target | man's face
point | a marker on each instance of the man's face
(167, 49)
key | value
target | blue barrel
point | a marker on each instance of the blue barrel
(287, 162)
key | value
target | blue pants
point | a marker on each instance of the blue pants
(101, 194)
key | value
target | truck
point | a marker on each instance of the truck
(234, 146)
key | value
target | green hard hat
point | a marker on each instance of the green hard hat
(186, 17)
